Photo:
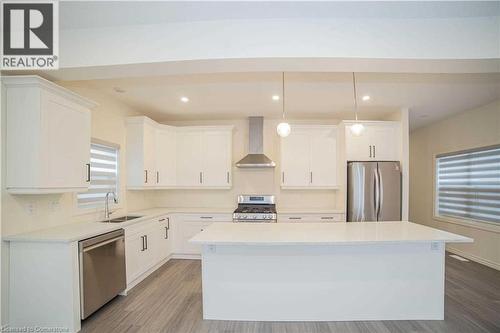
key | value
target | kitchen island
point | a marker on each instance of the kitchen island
(323, 271)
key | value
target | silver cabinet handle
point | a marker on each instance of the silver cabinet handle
(143, 243)
(146, 239)
(206, 217)
(157, 177)
(295, 218)
(201, 177)
(370, 151)
(165, 219)
(327, 217)
(166, 232)
(146, 178)
(88, 172)
(283, 177)
(227, 176)
(311, 177)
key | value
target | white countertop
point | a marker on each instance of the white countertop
(77, 231)
(322, 233)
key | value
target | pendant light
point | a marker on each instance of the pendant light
(283, 128)
(357, 128)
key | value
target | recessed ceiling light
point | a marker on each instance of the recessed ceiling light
(366, 98)
(276, 97)
(184, 99)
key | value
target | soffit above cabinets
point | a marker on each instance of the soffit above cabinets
(309, 95)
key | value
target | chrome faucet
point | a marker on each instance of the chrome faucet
(106, 204)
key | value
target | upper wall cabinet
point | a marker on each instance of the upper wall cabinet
(47, 137)
(160, 156)
(141, 152)
(309, 158)
(204, 157)
(380, 141)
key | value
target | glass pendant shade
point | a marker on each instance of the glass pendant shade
(357, 129)
(283, 129)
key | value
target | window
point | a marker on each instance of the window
(468, 184)
(103, 175)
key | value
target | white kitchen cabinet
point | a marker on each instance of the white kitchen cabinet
(141, 250)
(204, 157)
(163, 237)
(380, 141)
(311, 217)
(166, 149)
(188, 225)
(141, 153)
(216, 152)
(309, 158)
(189, 158)
(168, 157)
(48, 137)
(146, 245)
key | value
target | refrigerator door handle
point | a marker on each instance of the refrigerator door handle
(380, 193)
(376, 193)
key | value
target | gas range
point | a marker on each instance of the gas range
(255, 208)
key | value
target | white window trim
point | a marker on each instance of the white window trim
(470, 223)
(77, 211)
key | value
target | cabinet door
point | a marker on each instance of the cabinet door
(357, 148)
(216, 159)
(323, 158)
(189, 158)
(164, 239)
(134, 256)
(386, 140)
(66, 143)
(295, 159)
(189, 230)
(165, 157)
(149, 153)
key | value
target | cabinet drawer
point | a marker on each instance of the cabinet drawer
(313, 218)
(206, 217)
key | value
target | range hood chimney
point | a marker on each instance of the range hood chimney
(256, 157)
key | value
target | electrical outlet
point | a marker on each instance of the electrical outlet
(54, 206)
(434, 246)
(211, 249)
(30, 208)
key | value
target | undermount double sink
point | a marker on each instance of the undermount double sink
(121, 219)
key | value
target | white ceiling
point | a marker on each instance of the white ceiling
(308, 95)
(86, 14)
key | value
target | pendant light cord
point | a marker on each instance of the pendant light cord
(283, 93)
(355, 95)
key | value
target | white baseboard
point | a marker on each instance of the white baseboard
(474, 258)
(187, 256)
(145, 275)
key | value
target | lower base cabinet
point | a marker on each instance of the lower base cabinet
(188, 225)
(146, 245)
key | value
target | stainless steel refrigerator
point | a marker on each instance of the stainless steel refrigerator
(373, 191)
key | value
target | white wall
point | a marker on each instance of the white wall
(369, 38)
(252, 181)
(475, 128)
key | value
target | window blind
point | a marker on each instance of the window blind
(468, 185)
(103, 176)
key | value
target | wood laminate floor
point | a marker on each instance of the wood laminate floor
(170, 301)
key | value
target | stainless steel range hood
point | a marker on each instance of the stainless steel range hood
(256, 157)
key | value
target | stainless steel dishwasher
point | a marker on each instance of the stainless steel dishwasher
(102, 270)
